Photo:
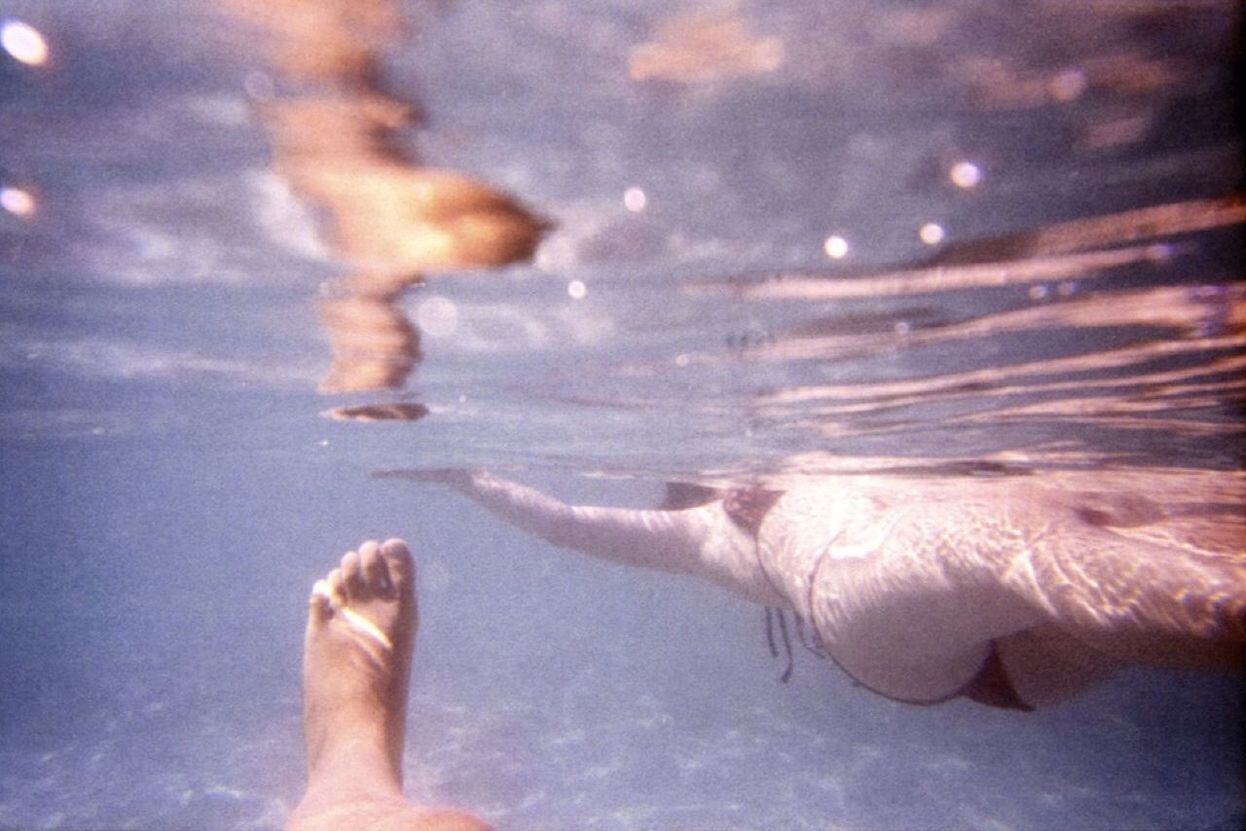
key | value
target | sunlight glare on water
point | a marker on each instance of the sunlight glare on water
(23, 42)
(17, 201)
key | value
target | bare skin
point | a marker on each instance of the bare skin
(1015, 592)
(361, 626)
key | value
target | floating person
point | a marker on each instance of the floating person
(361, 627)
(1010, 592)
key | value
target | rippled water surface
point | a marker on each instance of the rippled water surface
(250, 254)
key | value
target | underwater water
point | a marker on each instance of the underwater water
(738, 242)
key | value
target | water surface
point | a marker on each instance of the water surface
(776, 241)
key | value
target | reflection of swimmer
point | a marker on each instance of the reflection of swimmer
(337, 141)
(1010, 593)
(389, 217)
(326, 40)
(356, 665)
(1108, 230)
(392, 220)
(397, 411)
(374, 345)
(703, 47)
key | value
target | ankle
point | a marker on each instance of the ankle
(364, 758)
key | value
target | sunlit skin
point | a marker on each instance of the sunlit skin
(1011, 592)
(361, 625)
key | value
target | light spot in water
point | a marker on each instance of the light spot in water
(903, 327)
(681, 360)
(965, 175)
(836, 247)
(1067, 85)
(577, 290)
(437, 316)
(1039, 292)
(931, 233)
(634, 200)
(23, 43)
(1066, 288)
(17, 201)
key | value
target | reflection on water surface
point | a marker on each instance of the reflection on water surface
(335, 141)
(959, 247)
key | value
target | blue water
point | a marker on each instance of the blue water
(170, 488)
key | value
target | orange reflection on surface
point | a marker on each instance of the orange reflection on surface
(379, 412)
(1060, 250)
(995, 83)
(1175, 308)
(937, 278)
(327, 40)
(702, 47)
(1178, 363)
(374, 345)
(394, 221)
(998, 83)
(1116, 130)
(1178, 309)
(1102, 231)
(388, 218)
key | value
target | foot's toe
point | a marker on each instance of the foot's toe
(398, 560)
(336, 588)
(352, 575)
(375, 573)
(319, 605)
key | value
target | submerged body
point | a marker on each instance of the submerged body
(1008, 591)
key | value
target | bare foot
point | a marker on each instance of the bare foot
(356, 666)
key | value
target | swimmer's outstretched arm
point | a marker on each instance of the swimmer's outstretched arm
(701, 541)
